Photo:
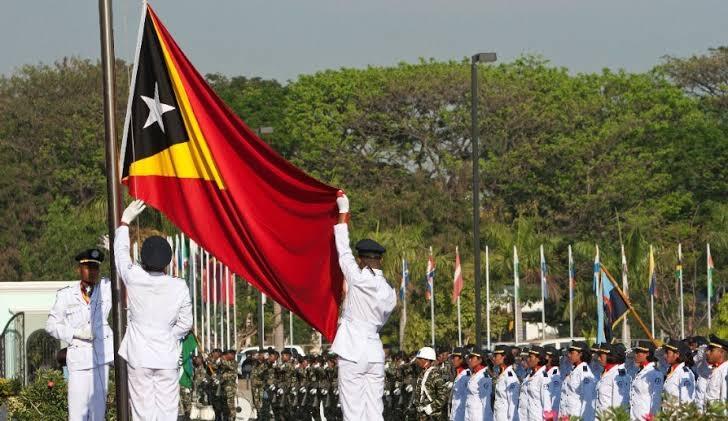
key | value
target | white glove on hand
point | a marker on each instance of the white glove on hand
(342, 202)
(134, 209)
(83, 333)
(408, 388)
(428, 409)
(104, 242)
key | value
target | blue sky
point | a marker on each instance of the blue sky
(284, 38)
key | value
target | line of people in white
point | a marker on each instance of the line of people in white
(586, 382)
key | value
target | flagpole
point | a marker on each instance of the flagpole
(543, 296)
(403, 318)
(625, 288)
(432, 306)
(487, 296)
(709, 262)
(193, 275)
(262, 319)
(682, 308)
(227, 306)
(113, 213)
(516, 324)
(290, 326)
(221, 326)
(208, 290)
(235, 313)
(216, 340)
(571, 295)
(601, 334)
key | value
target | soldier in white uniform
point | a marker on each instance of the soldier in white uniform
(480, 389)
(459, 386)
(679, 387)
(701, 368)
(537, 403)
(507, 386)
(553, 357)
(368, 303)
(613, 386)
(79, 317)
(160, 316)
(645, 394)
(578, 389)
(717, 389)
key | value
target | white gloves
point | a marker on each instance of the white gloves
(103, 242)
(426, 409)
(342, 202)
(408, 388)
(83, 333)
(134, 209)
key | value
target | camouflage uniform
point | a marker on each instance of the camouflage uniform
(257, 385)
(229, 380)
(390, 380)
(185, 402)
(215, 389)
(332, 408)
(283, 377)
(434, 395)
(408, 374)
(314, 376)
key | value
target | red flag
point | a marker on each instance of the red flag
(457, 283)
(188, 155)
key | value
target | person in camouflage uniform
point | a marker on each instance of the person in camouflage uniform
(297, 387)
(216, 392)
(229, 381)
(430, 393)
(270, 391)
(390, 382)
(332, 410)
(409, 373)
(314, 376)
(283, 376)
(200, 381)
(257, 380)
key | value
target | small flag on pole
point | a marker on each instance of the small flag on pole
(653, 275)
(430, 276)
(457, 282)
(405, 280)
(572, 274)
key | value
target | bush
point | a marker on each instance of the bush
(42, 400)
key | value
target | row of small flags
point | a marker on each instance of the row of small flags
(458, 276)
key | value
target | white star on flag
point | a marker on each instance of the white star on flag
(156, 109)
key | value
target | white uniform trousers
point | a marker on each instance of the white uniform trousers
(87, 394)
(361, 387)
(153, 394)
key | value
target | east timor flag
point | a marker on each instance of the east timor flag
(188, 155)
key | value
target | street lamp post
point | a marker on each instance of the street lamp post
(477, 58)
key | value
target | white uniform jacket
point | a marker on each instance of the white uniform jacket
(717, 389)
(645, 393)
(679, 386)
(160, 312)
(613, 389)
(477, 404)
(702, 372)
(71, 312)
(538, 395)
(555, 387)
(369, 302)
(459, 395)
(578, 393)
(507, 389)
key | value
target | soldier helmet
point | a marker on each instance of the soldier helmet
(427, 353)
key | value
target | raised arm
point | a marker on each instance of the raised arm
(122, 257)
(341, 234)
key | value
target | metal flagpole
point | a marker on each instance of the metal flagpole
(543, 295)
(216, 340)
(432, 305)
(208, 290)
(652, 295)
(403, 320)
(290, 326)
(460, 327)
(487, 296)
(516, 324)
(571, 295)
(221, 326)
(227, 306)
(709, 264)
(235, 313)
(113, 214)
(262, 319)
(680, 275)
(625, 289)
(193, 276)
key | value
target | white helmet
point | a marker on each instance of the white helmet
(427, 353)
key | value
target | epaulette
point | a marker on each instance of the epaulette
(545, 373)
(585, 368)
(686, 369)
(554, 370)
(622, 372)
(510, 374)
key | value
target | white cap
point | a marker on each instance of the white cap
(427, 353)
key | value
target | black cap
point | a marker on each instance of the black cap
(619, 351)
(551, 350)
(645, 346)
(480, 353)
(677, 346)
(442, 349)
(602, 348)
(286, 351)
(369, 248)
(156, 253)
(90, 256)
(716, 342)
(458, 351)
(502, 349)
(579, 346)
(538, 351)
